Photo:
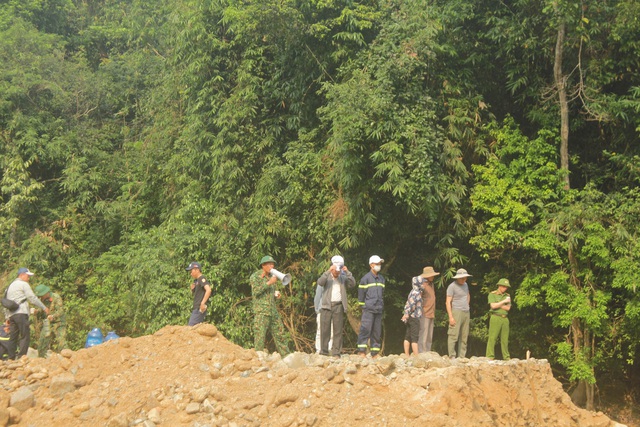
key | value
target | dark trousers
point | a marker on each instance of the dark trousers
(328, 317)
(370, 330)
(18, 329)
(197, 317)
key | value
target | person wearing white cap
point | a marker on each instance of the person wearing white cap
(458, 299)
(20, 292)
(333, 305)
(371, 299)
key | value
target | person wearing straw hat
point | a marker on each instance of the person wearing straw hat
(54, 324)
(425, 280)
(458, 299)
(500, 304)
(266, 317)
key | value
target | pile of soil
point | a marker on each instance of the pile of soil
(193, 376)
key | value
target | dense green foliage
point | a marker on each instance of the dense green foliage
(138, 136)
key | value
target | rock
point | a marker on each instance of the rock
(200, 394)
(4, 416)
(192, 408)
(119, 420)
(386, 365)
(14, 415)
(154, 416)
(228, 370)
(215, 373)
(310, 419)
(66, 353)
(38, 376)
(22, 399)
(77, 410)
(296, 360)
(62, 384)
(351, 369)
(4, 399)
(148, 423)
(124, 342)
(286, 394)
(206, 329)
(207, 406)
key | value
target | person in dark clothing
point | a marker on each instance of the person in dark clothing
(201, 290)
(4, 341)
(371, 299)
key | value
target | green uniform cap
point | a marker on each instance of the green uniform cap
(41, 290)
(267, 258)
(504, 282)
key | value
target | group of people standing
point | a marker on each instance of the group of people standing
(331, 307)
(15, 336)
(419, 314)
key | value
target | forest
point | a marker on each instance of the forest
(495, 135)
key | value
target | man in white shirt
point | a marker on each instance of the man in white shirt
(333, 304)
(20, 292)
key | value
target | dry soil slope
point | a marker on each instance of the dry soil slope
(193, 376)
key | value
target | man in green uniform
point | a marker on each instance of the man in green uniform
(266, 316)
(54, 324)
(500, 304)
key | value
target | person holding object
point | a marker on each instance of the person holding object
(54, 324)
(266, 317)
(427, 320)
(333, 304)
(499, 304)
(20, 292)
(458, 299)
(371, 299)
(412, 316)
(201, 291)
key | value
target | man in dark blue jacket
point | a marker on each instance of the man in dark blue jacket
(371, 299)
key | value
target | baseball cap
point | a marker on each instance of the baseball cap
(337, 259)
(24, 270)
(193, 265)
(375, 259)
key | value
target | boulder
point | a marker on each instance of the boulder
(62, 384)
(22, 399)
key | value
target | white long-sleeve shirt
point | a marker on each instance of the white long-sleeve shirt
(20, 292)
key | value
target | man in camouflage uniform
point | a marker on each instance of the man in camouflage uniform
(266, 316)
(54, 324)
(499, 304)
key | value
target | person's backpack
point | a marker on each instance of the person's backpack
(9, 304)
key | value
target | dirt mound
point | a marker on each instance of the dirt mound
(193, 376)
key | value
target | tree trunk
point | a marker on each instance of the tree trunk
(561, 83)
